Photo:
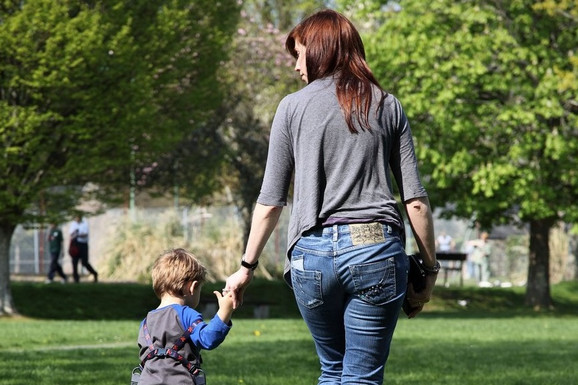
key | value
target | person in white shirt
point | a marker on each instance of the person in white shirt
(444, 242)
(79, 234)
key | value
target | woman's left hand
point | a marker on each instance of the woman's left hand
(237, 283)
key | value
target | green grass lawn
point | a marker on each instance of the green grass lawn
(86, 334)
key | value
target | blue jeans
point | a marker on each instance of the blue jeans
(349, 282)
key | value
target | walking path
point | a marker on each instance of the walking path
(112, 345)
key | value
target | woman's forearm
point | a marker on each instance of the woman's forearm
(421, 221)
(265, 219)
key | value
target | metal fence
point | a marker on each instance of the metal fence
(29, 253)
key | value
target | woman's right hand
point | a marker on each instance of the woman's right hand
(418, 300)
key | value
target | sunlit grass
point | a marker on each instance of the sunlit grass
(495, 341)
(431, 350)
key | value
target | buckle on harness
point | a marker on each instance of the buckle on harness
(135, 375)
(199, 377)
(161, 352)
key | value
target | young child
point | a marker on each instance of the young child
(177, 280)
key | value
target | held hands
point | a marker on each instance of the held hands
(418, 300)
(236, 285)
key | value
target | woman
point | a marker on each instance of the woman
(348, 269)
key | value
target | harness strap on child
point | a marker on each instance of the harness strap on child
(172, 352)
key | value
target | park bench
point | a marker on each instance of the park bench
(452, 261)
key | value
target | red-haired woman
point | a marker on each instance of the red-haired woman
(346, 263)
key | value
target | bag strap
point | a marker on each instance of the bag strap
(172, 352)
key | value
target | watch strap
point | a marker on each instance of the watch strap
(432, 270)
(250, 266)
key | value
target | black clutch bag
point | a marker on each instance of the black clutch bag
(417, 277)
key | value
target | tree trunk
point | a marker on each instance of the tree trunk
(6, 302)
(574, 252)
(538, 287)
(247, 215)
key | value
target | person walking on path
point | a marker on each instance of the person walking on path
(55, 240)
(336, 140)
(79, 234)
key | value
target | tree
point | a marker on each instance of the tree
(90, 90)
(490, 88)
(281, 14)
(258, 77)
(233, 148)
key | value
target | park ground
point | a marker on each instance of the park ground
(86, 334)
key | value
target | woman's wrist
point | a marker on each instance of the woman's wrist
(247, 265)
(432, 270)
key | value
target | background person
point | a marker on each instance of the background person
(55, 240)
(478, 258)
(339, 136)
(445, 243)
(79, 232)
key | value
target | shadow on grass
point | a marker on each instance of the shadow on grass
(474, 302)
(131, 301)
(84, 301)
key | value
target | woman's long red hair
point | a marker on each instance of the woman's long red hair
(334, 46)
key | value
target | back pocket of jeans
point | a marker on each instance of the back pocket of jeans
(375, 282)
(306, 283)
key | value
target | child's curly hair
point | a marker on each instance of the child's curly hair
(173, 269)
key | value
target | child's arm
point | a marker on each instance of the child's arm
(225, 306)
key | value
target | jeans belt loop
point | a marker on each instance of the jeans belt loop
(389, 229)
(335, 232)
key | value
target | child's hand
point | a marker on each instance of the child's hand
(225, 305)
(225, 299)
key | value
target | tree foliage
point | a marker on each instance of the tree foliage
(282, 14)
(233, 148)
(258, 76)
(490, 88)
(91, 90)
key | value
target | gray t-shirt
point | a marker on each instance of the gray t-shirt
(338, 174)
